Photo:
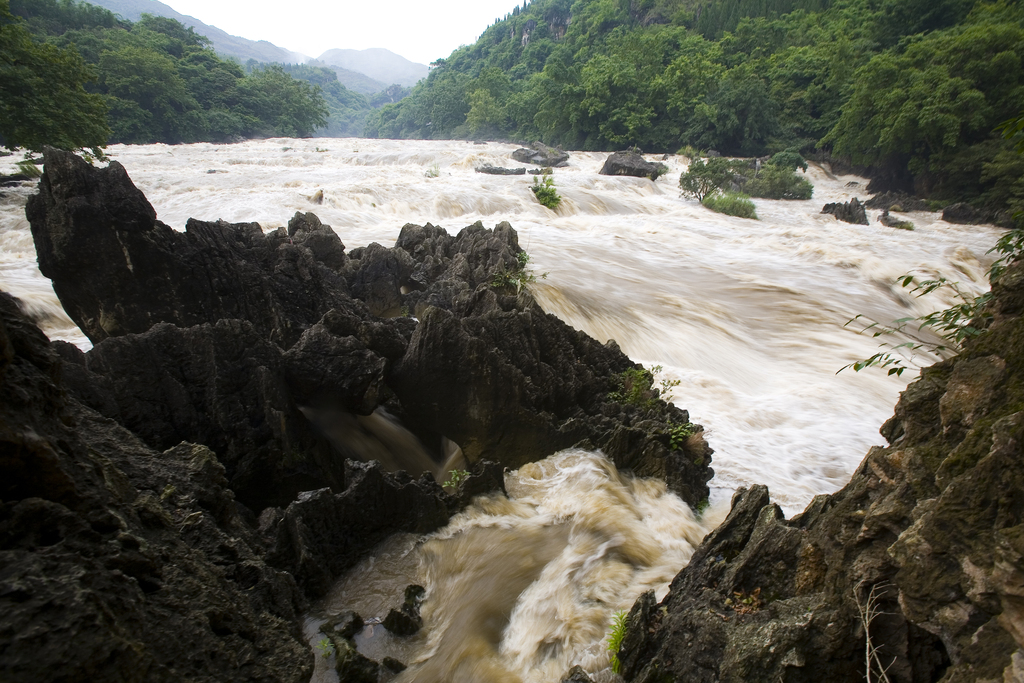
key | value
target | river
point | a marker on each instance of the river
(748, 315)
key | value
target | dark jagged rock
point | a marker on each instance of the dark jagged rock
(576, 675)
(932, 524)
(541, 155)
(322, 534)
(485, 367)
(406, 620)
(120, 563)
(896, 201)
(631, 163)
(962, 213)
(223, 386)
(393, 665)
(117, 270)
(500, 170)
(848, 212)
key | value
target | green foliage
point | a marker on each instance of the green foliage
(954, 325)
(732, 204)
(517, 277)
(678, 434)
(326, 647)
(617, 632)
(778, 182)
(433, 172)
(545, 191)
(635, 386)
(346, 109)
(789, 159)
(455, 477)
(29, 168)
(43, 100)
(703, 178)
(151, 81)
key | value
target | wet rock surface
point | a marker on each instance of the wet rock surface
(931, 524)
(119, 562)
(541, 155)
(500, 170)
(848, 212)
(632, 163)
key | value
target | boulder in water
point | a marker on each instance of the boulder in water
(849, 212)
(632, 163)
(541, 155)
(500, 170)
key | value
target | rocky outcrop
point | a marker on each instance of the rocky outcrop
(483, 367)
(541, 155)
(500, 170)
(119, 562)
(962, 213)
(632, 163)
(896, 201)
(930, 527)
(849, 212)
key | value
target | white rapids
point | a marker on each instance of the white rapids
(749, 315)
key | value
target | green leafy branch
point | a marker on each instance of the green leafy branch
(620, 622)
(954, 325)
(455, 477)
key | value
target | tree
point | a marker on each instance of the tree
(704, 177)
(42, 97)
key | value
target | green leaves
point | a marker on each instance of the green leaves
(43, 100)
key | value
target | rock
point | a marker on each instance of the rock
(120, 563)
(893, 222)
(117, 270)
(576, 675)
(962, 213)
(500, 170)
(15, 179)
(541, 155)
(406, 620)
(928, 524)
(392, 664)
(849, 212)
(891, 200)
(632, 163)
(322, 534)
(345, 625)
(351, 665)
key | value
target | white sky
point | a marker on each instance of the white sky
(419, 30)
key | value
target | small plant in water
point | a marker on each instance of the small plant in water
(455, 477)
(29, 168)
(325, 647)
(615, 635)
(545, 192)
(433, 171)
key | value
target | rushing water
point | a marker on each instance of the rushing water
(748, 315)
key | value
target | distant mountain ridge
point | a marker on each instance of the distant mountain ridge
(377, 63)
(240, 48)
(364, 71)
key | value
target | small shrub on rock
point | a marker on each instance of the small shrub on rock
(732, 204)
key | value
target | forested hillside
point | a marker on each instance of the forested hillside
(912, 88)
(156, 80)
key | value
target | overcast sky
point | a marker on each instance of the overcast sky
(419, 30)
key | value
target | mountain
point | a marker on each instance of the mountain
(377, 63)
(241, 49)
(353, 80)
